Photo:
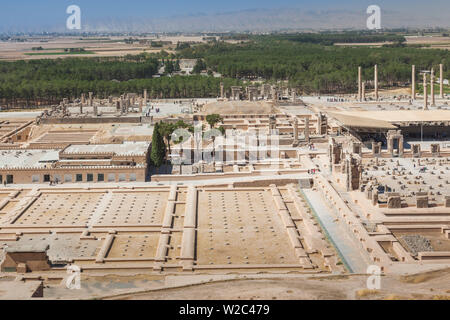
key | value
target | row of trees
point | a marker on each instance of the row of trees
(312, 67)
(81, 69)
(33, 92)
(341, 37)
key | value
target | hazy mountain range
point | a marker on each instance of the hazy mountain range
(262, 20)
(254, 20)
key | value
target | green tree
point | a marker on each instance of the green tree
(199, 66)
(177, 65)
(166, 129)
(158, 151)
(213, 119)
(170, 68)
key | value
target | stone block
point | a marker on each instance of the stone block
(422, 202)
(394, 202)
(447, 201)
(21, 268)
(369, 193)
(375, 198)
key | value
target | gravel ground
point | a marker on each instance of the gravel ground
(416, 244)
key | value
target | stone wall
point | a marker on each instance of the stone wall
(91, 120)
(27, 176)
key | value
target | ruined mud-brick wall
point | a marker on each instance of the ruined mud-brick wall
(35, 261)
(25, 175)
(90, 120)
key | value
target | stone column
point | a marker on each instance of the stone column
(425, 92)
(433, 98)
(390, 145)
(401, 147)
(376, 82)
(356, 148)
(295, 130)
(376, 149)
(441, 81)
(95, 110)
(272, 123)
(91, 99)
(83, 98)
(140, 106)
(321, 124)
(359, 85)
(413, 83)
(81, 108)
(221, 90)
(274, 94)
(235, 93)
(307, 129)
(121, 106)
(145, 96)
(363, 90)
(416, 150)
(436, 150)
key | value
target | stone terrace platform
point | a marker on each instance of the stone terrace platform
(168, 228)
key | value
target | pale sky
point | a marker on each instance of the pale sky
(50, 15)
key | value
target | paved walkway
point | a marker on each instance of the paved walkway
(352, 252)
(31, 115)
(205, 181)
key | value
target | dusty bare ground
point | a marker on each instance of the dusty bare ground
(427, 40)
(435, 42)
(115, 47)
(431, 285)
(239, 107)
(424, 286)
(108, 47)
(368, 44)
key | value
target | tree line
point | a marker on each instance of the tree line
(52, 92)
(341, 37)
(304, 61)
(315, 67)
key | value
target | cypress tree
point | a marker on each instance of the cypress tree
(158, 148)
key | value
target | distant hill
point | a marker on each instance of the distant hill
(265, 20)
(262, 20)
